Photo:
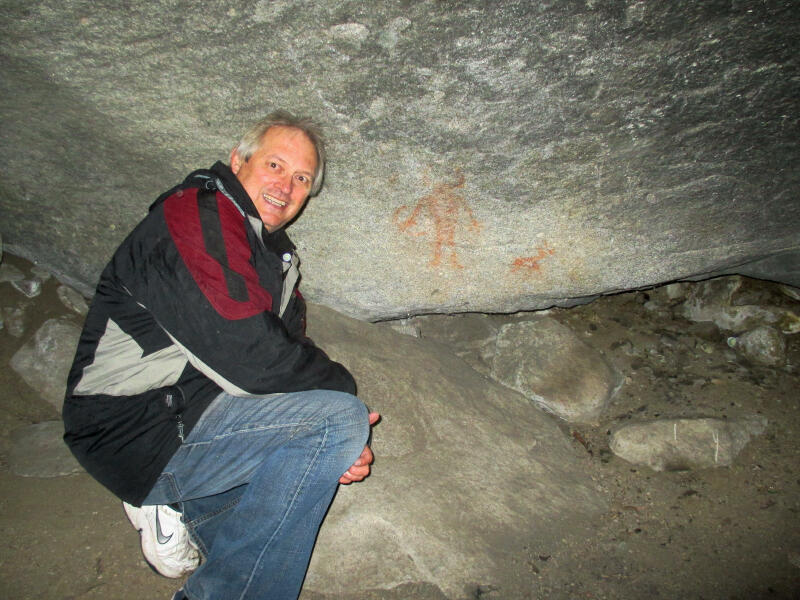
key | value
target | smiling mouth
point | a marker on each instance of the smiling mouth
(273, 201)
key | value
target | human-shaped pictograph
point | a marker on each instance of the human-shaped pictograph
(448, 214)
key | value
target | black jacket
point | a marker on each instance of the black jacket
(198, 299)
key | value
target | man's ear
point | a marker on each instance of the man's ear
(236, 161)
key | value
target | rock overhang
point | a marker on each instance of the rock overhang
(481, 159)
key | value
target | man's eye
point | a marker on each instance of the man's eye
(273, 165)
(302, 179)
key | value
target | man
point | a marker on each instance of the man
(194, 389)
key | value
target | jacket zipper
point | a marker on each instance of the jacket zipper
(180, 427)
(173, 403)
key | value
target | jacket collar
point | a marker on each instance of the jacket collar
(226, 182)
(220, 177)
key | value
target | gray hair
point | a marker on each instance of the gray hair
(251, 140)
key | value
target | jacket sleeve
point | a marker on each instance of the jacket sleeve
(201, 286)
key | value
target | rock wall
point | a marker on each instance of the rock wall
(513, 155)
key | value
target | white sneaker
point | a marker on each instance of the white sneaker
(166, 545)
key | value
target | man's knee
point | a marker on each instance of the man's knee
(350, 409)
(349, 418)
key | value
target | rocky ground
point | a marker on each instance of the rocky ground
(715, 533)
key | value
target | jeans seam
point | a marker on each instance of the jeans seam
(289, 508)
(210, 515)
(240, 432)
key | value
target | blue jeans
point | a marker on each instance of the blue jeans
(255, 478)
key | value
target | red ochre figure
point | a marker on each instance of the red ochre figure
(448, 212)
(531, 263)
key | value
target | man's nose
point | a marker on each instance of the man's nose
(285, 183)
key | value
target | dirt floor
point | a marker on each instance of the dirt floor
(727, 533)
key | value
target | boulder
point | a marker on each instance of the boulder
(683, 444)
(72, 299)
(44, 361)
(486, 157)
(765, 345)
(554, 368)
(470, 336)
(736, 304)
(30, 288)
(39, 450)
(466, 471)
(14, 320)
(10, 273)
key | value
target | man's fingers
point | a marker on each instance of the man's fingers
(353, 475)
(366, 457)
(358, 471)
(360, 468)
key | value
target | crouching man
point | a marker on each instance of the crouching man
(195, 395)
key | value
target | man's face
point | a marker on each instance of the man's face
(278, 176)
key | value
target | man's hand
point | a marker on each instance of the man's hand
(360, 468)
